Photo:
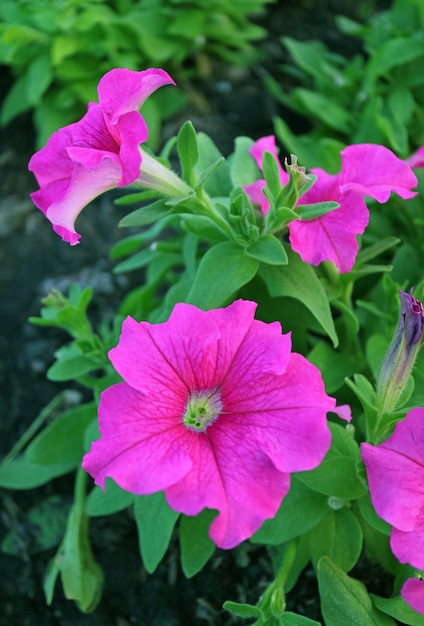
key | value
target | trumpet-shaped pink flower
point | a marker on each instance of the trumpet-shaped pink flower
(413, 593)
(216, 411)
(395, 471)
(98, 153)
(367, 170)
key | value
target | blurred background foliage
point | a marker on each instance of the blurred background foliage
(358, 80)
(57, 50)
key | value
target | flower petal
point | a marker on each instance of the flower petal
(142, 446)
(375, 171)
(333, 236)
(413, 593)
(121, 90)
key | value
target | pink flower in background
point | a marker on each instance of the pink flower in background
(98, 153)
(395, 471)
(216, 411)
(416, 159)
(367, 170)
(413, 593)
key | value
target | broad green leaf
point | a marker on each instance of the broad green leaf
(345, 600)
(22, 474)
(110, 501)
(63, 440)
(218, 183)
(336, 477)
(325, 109)
(72, 367)
(333, 365)
(146, 214)
(369, 514)
(221, 272)
(298, 280)
(155, 522)
(399, 609)
(300, 510)
(338, 536)
(243, 168)
(268, 249)
(196, 546)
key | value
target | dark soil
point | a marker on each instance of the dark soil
(32, 260)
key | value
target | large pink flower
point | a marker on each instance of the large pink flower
(216, 411)
(367, 170)
(98, 153)
(395, 471)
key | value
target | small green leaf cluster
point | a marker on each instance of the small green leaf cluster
(375, 96)
(59, 50)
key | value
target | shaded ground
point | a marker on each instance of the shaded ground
(33, 259)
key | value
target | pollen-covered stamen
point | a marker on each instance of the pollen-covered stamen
(202, 408)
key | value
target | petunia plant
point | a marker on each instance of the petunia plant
(261, 385)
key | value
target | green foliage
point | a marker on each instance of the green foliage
(59, 50)
(375, 96)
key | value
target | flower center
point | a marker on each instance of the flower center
(202, 408)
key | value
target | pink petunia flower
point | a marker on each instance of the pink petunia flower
(417, 158)
(413, 593)
(367, 170)
(216, 411)
(98, 153)
(395, 471)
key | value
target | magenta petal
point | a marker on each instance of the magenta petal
(416, 159)
(286, 413)
(409, 546)
(142, 446)
(413, 593)
(121, 90)
(240, 482)
(395, 472)
(333, 236)
(375, 171)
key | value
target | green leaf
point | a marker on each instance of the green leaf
(336, 477)
(369, 514)
(82, 577)
(299, 512)
(62, 442)
(72, 367)
(221, 272)
(243, 610)
(196, 546)
(323, 108)
(112, 500)
(338, 536)
(399, 609)
(345, 600)
(146, 215)
(293, 619)
(243, 168)
(155, 522)
(39, 77)
(188, 152)
(218, 183)
(311, 211)
(268, 249)
(22, 474)
(298, 280)
(333, 365)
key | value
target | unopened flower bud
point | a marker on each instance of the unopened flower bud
(402, 352)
